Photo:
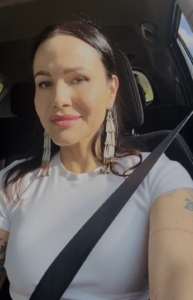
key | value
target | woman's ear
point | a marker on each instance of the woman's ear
(113, 87)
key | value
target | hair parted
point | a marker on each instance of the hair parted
(92, 36)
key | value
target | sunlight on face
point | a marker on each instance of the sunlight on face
(72, 92)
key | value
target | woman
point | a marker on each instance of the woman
(76, 101)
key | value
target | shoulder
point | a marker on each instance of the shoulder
(161, 167)
(166, 175)
(163, 158)
(164, 166)
(131, 161)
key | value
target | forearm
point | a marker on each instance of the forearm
(176, 285)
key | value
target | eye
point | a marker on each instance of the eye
(79, 80)
(44, 84)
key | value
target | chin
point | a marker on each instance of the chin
(65, 141)
(69, 138)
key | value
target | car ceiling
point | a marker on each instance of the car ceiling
(120, 20)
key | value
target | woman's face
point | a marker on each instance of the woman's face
(72, 91)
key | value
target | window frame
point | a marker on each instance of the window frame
(185, 47)
(182, 68)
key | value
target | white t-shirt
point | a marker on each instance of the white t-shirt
(54, 208)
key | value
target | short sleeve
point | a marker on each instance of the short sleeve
(4, 203)
(167, 175)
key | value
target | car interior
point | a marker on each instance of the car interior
(156, 83)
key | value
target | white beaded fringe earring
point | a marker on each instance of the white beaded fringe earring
(45, 166)
(109, 150)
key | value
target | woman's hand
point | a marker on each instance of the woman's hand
(4, 235)
(171, 246)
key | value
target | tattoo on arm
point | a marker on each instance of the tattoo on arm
(189, 204)
(190, 192)
(3, 249)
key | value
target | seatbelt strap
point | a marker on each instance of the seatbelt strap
(63, 269)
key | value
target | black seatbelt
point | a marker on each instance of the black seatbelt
(61, 272)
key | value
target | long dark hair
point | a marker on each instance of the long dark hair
(91, 35)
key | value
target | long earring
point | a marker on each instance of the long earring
(109, 150)
(45, 166)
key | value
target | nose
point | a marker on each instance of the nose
(62, 95)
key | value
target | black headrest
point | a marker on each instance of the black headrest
(128, 89)
(22, 99)
(22, 94)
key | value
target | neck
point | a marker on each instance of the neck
(78, 159)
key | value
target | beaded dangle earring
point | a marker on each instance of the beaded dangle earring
(109, 150)
(45, 166)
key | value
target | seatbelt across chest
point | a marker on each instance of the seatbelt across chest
(63, 269)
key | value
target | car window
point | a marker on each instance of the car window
(185, 41)
(1, 87)
(144, 82)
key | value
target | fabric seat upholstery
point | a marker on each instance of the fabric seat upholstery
(165, 117)
(178, 149)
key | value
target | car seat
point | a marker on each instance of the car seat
(178, 150)
(165, 117)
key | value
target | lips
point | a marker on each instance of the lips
(65, 120)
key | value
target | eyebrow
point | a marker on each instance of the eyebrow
(66, 71)
(43, 73)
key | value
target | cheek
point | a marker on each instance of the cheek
(40, 104)
(94, 100)
(95, 109)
